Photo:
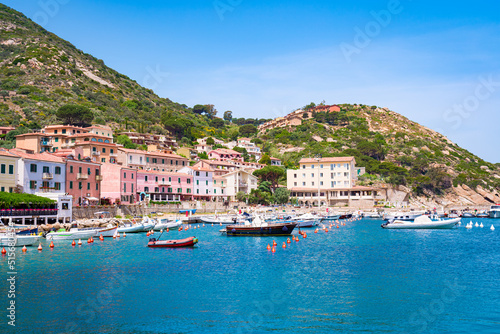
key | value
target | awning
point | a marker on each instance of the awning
(92, 198)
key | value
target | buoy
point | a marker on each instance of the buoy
(73, 243)
(284, 245)
(288, 241)
(88, 241)
(203, 225)
(212, 224)
(304, 235)
(316, 231)
(24, 249)
(168, 230)
(326, 230)
(337, 226)
(273, 249)
(268, 247)
(469, 226)
(101, 238)
(114, 236)
(492, 228)
(4, 251)
(124, 235)
(297, 239)
(477, 224)
(40, 247)
(51, 244)
(274, 243)
(79, 242)
(195, 227)
(481, 226)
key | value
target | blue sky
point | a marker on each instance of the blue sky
(438, 63)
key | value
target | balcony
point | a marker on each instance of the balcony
(81, 176)
(113, 154)
(97, 153)
(98, 177)
(45, 143)
(164, 183)
(47, 176)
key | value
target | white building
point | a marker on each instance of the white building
(41, 172)
(333, 178)
(228, 185)
(246, 143)
(131, 158)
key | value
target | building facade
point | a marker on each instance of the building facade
(83, 180)
(164, 186)
(9, 176)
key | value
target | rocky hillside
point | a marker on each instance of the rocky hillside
(39, 72)
(395, 151)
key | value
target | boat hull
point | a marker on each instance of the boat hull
(136, 228)
(269, 230)
(107, 231)
(71, 235)
(188, 242)
(440, 224)
(495, 214)
(19, 240)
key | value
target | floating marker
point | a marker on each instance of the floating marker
(24, 249)
(73, 243)
(492, 228)
(40, 247)
(4, 251)
(79, 242)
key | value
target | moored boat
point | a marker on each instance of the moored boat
(422, 222)
(495, 211)
(72, 234)
(305, 220)
(405, 216)
(18, 240)
(483, 215)
(187, 242)
(167, 223)
(260, 228)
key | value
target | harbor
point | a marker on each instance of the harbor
(355, 276)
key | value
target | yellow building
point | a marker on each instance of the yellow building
(8, 171)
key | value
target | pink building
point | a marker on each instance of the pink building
(224, 154)
(118, 183)
(83, 180)
(164, 186)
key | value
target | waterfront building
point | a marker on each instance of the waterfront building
(228, 185)
(40, 172)
(83, 180)
(119, 183)
(219, 167)
(164, 186)
(102, 130)
(9, 176)
(334, 180)
(131, 158)
(202, 182)
(165, 162)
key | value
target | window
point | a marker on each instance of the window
(207, 182)
(197, 182)
(312, 183)
(146, 178)
(176, 162)
(80, 170)
(63, 131)
(320, 166)
(303, 183)
(346, 174)
(197, 191)
(163, 161)
(88, 185)
(124, 187)
(103, 150)
(179, 190)
(32, 184)
(294, 176)
(80, 185)
(147, 159)
(189, 191)
(184, 164)
(103, 159)
(46, 169)
(189, 181)
(295, 184)
(321, 183)
(97, 186)
(215, 191)
(169, 179)
(11, 169)
(70, 184)
(303, 166)
(97, 171)
(320, 174)
(146, 189)
(156, 178)
(55, 132)
(206, 191)
(2, 169)
(57, 139)
(132, 176)
(33, 168)
(57, 186)
(179, 180)
(171, 162)
(157, 190)
(312, 166)
(71, 169)
(331, 184)
(312, 174)
(155, 160)
(222, 191)
(130, 158)
(169, 190)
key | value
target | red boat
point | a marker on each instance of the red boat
(188, 242)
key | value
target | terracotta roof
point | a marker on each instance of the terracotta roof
(276, 159)
(201, 169)
(6, 153)
(57, 126)
(333, 159)
(37, 156)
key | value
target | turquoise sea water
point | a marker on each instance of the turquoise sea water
(358, 278)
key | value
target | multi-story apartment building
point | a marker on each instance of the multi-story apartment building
(164, 186)
(228, 185)
(162, 142)
(165, 162)
(9, 176)
(333, 178)
(246, 143)
(119, 183)
(83, 180)
(224, 154)
(131, 158)
(41, 172)
(202, 181)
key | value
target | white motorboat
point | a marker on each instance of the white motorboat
(167, 223)
(16, 240)
(331, 217)
(405, 216)
(147, 223)
(108, 231)
(72, 234)
(422, 222)
(495, 211)
(219, 220)
(130, 228)
(305, 220)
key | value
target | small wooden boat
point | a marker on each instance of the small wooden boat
(18, 240)
(188, 242)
